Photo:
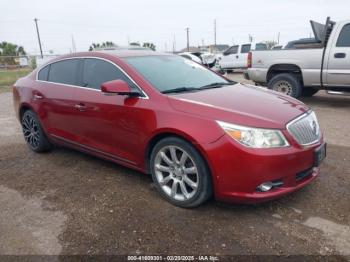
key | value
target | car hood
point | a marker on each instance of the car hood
(240, 104)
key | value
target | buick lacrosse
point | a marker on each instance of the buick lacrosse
(198, 133)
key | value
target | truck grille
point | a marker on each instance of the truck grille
(305, 129)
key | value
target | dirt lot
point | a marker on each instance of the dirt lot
(66, 202)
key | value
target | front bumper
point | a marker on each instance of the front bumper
(258, 75)
(237, 170)
(246, 75)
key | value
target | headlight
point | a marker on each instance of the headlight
(255, 137)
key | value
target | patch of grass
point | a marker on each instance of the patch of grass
(9, 77)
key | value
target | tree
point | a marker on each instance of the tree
(135, 44)
(8, 49)
(149, 45)
(270, 44)
(101, 45)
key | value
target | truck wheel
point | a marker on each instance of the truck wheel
(309, 91)
(287, 84)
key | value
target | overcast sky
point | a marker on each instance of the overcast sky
(159, 21)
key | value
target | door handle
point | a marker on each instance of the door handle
(80, 107)
(237, 56)
(339, 55)
(37, 97)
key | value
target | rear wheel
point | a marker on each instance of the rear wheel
(287, 84)
(33, 132)
(180, 173)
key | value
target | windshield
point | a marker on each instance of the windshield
(168, 73)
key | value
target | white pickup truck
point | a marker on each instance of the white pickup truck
(324, 64)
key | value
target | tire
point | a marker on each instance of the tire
(190, 173)
(287, 84)
(309, 91)
(33, 133)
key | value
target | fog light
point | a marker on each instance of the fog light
(265, 186)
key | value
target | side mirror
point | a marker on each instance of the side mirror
(118, 87)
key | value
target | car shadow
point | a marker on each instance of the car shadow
(130, 177)
(325, 100)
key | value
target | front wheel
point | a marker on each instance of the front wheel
(287, 84)
(180, 173)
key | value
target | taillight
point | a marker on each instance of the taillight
(249, 62)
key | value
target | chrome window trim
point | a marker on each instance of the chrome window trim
(145, 96)
(296, 120)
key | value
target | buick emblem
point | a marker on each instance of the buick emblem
(314, 128)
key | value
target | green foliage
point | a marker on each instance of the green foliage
(33, 62)
(9, 77)
(149, 45)
(9, 49)
(135, 44)
(101, 45)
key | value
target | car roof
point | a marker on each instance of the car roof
(132, 53)
(103, 53)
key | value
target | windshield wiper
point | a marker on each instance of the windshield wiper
(215, 85)
(179, 90)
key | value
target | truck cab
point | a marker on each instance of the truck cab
(235, 57)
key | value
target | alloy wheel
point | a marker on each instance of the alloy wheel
(176, 173)
(30, 129)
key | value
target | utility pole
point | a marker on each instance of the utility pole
(278, 38)
(37, 32)
(215, 33)
(73, 45)
(188, 39)
(250, 38)
(174, 44)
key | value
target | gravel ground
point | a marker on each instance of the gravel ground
(66, 202)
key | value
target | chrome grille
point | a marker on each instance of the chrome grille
(305, 129)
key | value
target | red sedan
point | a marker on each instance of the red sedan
(195, 131)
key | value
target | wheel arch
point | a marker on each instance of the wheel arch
(22, 109)
(284, 68)
(172, 133)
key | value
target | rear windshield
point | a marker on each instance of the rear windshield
(260, 46)
(245, 48)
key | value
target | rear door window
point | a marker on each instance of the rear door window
(232, 50)
(44, 73)
(97, 71)
(245, 48)
(64, 72)
(344, 37)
